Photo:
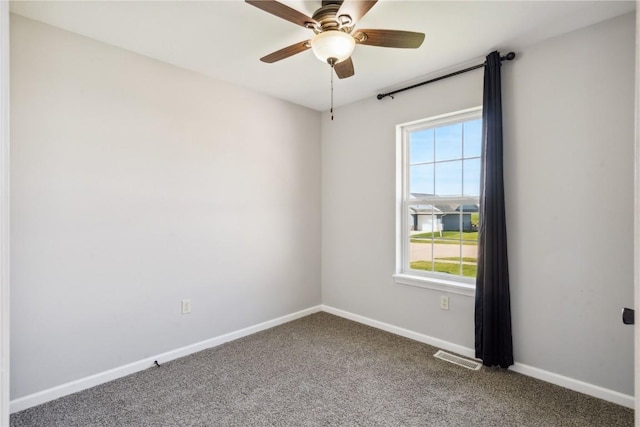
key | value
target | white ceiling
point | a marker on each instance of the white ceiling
(225, 39)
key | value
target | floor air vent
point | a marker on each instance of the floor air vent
(469, 364)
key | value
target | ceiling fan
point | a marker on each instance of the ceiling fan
(335, 36)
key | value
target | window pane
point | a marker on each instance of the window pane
(446, 252)
(421, 180)
(457, 254)
(449, 179)
(421, 146)
(471, 184)
(420, 250)
(472, 138)
(449, 142)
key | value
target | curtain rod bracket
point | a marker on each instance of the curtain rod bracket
(508, 57)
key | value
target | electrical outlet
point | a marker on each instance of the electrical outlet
(186, 306)
(444, 302)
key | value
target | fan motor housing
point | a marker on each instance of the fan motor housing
(326, 15)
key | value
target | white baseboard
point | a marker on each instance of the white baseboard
(122, 371)
(575, 385)
(445, 345)
(541, 374)
(119, 372)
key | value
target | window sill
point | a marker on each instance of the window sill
(441, 285)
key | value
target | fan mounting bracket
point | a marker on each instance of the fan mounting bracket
(328, 2)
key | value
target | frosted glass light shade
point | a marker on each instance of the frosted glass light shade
(333, 44)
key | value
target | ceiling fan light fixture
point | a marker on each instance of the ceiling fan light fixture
(333, 46)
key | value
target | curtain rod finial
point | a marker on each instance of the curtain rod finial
(509, 56)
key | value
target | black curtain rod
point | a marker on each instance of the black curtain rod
(508, 57)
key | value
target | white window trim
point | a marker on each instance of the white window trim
(457, 285)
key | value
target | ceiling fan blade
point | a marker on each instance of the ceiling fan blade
(356, 9)
(344, 69)
(390, 38)
(286, 52)
(282, 11)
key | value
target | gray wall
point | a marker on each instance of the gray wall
(568, 122)
(136, 184)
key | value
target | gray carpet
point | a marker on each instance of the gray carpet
(323, 370)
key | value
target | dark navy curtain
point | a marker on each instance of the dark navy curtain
(492, 309)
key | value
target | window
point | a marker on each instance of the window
(439, 200)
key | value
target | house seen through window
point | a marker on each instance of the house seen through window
(440, 196)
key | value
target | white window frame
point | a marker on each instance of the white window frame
(404, 275)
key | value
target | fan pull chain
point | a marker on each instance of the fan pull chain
(331, 70)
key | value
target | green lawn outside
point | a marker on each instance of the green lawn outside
(447, 238)
(454, 258)
(445, 267)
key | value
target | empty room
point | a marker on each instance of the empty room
(318, 213)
